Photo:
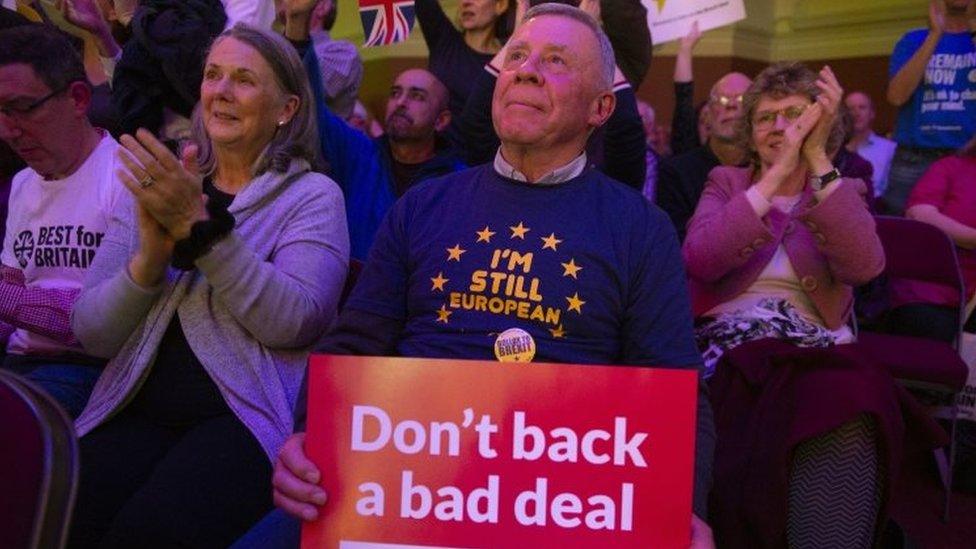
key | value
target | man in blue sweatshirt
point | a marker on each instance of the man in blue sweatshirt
(602, 276)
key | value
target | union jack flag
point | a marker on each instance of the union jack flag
(385, 21)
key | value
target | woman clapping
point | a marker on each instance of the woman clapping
(208, 292)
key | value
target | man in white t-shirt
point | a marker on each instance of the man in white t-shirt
(60, 206)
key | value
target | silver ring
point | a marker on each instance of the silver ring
(147, 182)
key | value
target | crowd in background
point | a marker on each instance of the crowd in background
(180, 236)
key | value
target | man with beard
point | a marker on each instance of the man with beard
(373, 173)
(681, 178)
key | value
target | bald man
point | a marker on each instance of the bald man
(373, 173)
(682, 178)
(416, 111)
(652, 140)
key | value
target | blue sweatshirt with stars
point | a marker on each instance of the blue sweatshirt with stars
(587, 268)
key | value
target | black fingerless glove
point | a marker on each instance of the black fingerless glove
(203, 236)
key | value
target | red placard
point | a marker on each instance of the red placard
(463, 454)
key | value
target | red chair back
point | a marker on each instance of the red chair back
(921, 252)
(38, 467)
(918, 251)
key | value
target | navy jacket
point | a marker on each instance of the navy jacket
(362, 167)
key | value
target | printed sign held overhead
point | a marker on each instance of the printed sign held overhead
(671, 19)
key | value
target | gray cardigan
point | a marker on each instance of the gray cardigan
(251, 311)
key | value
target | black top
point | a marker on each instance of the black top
(684, 123)
(451, 60)
(404, 175)
(680, 182)
(216, 196)
(179, 391)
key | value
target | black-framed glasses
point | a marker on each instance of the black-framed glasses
(22, 108)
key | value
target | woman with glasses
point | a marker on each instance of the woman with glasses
(773, 252)
(786, 238)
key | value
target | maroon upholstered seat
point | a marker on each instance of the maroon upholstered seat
(921, 252)
(917, 359)
(38, 467)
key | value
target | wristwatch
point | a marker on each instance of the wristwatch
(819, 182)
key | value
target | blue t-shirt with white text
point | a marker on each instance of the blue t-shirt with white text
(941, 113)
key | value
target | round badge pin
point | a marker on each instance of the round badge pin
(514, 345)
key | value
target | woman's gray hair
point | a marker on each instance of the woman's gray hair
(607, 60)
(778, 81)
(298, 138)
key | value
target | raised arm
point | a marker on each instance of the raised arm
(625, 22)
(907, 75)
(433, 22)
(684, 123)
(624, 145)
(355, 163)
(298, 15)
(85, 15)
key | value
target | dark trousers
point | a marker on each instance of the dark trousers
(921, 320)
(145, 485)
(907, 167)
(69, 381)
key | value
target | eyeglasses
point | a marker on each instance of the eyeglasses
(767, 119)
(22, 108)
(728, 100)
